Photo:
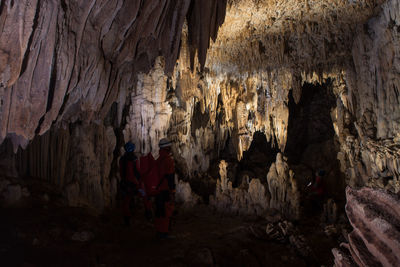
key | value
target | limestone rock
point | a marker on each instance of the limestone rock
(253, 197)
(91, 156)
(374, 216)
(285, 196)
(185, 195)
(330, 212)
(80, 78)
(265, 34)
(330, 230)
(12, 194)
(285, 232)
(71, 60)
(149, 113)
(77, 159)
(342, 259)
(252, 200)
(369, 105)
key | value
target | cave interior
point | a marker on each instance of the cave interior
(283, 118)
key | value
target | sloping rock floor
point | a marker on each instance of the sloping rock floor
(41, 231)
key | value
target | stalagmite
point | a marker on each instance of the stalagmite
(150, 113)
(283, 189)
(262, 100)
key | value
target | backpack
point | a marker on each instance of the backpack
(149, 173)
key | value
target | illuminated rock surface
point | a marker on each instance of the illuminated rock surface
(256, 96)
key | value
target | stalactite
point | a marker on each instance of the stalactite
(70, 62)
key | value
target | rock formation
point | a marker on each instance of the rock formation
(78, 158)
(11, 192)
(185, 195)
(71, 60)
(149, 113)
(374, 241)
(68, 69)
(253, 197)
(369, 104)
(80, 78)
(285, 196)
(250, 199)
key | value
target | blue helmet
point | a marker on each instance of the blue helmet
(129, 147)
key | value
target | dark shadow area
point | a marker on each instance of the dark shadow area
(257, 159)
(309, 121)
(311, 143)
(199, 119)
(7, 159)
(255, 162)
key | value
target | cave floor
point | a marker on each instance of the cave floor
(39, 233)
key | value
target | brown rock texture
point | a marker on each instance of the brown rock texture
(368, 109)
(70, 60)
(268, 34)
(65, 66)
(282, 185)
(78, 159)
(254, 197)
(253, 69)
(99, 73)
(375, 240)
(251, 198)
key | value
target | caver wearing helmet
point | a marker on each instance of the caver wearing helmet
(129, 183)
(165, 197)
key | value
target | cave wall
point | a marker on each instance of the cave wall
(364, 78)
(369, 104)
(361, 66)
(66, 65)
(79, 78)
(67, 60)
(207, 107)
(71, 64)
(78, 158)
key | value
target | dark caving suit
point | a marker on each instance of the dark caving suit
(149, 182)
(164, 200)
(129, 184)
(317, 191)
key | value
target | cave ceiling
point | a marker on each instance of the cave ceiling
(268, 34)
(69, 61)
